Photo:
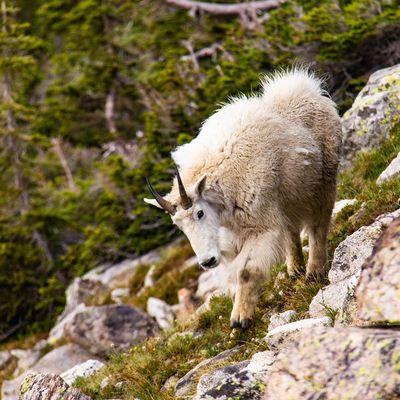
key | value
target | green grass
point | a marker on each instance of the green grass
(146, 368)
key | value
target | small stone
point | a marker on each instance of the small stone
(84, 291)
(216, 281)
(161, 311)
(281, 319)
(392, 171)
(118, 295)
(105, 382)
(341, 205)
(120, 385)
(149, 278)
(82, 370)
(119, 275)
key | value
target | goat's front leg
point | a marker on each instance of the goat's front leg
(248, 287)
(253, 266)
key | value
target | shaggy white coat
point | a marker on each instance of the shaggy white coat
(262, 168)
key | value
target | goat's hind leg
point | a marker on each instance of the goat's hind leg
(317, 258)
(294, 253)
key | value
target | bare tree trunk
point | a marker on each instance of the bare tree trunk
(56, 142)
(109, 106)
(109, 111)
(11, 127)
(226, 9)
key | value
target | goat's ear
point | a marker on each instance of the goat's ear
(208, 194)
(153, 202)
(213, 197)
(200, 185)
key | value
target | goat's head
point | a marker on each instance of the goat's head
(195, 212)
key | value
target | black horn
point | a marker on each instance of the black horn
(165, 204)
(185, 200)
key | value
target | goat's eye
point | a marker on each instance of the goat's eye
(200, 214)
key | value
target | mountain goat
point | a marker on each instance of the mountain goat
(261, 169)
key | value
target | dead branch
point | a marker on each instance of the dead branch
(192, 55)
(226, 9)
(58, 150)
(210, 51)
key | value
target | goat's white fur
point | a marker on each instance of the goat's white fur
(270, 162)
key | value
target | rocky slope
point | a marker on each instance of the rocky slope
(335, 339)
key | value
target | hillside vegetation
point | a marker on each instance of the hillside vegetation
(95, 96)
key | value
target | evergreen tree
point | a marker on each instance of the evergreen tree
(17, 68)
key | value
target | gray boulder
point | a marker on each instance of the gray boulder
(48, 387)
(119, 275)
(373, 114)
(187, 384)
(345, 272)
(337, 363)
(103, 329)
(378, 290)
(245, 380)
(84, 291)
(57, 361)
(57, 332)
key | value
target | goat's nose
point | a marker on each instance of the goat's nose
(209, 263)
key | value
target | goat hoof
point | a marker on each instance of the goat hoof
(312, 277)
(245, 323)
(235, 323)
